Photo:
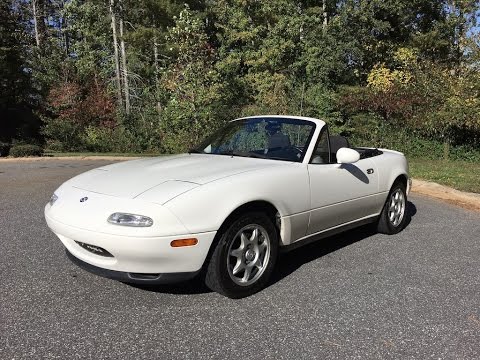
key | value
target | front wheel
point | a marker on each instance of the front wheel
(393, 217)
(244, 256)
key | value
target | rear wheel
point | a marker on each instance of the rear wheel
(393, 217)
(244, 256)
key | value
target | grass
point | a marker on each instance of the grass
(83, 154)
(460, 175)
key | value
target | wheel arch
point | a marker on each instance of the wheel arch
(403, 179)
(255, 205)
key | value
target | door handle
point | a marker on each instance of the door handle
(370, 171)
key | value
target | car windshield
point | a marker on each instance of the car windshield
(268, 138)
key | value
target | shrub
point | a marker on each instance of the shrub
(98, 139)
(4, 148)
(371, 131)
(66, 133)
(54, 145)
(101, 139)
(26, 150)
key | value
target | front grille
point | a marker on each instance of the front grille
(97, 250)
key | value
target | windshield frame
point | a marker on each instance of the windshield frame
(284, 120)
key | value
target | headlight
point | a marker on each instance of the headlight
(53, 199)
(130, 220)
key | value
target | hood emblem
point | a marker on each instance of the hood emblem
(83, 199)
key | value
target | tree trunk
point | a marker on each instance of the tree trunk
(64, 30)
(325, 15)
(35, 22)
(115, 52)
(301, 99)
(126, 88)
(155, 58)
(157, 68)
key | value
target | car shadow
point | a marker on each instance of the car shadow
(290, 261)
(287, 262)
(355, 171)
(411, 211)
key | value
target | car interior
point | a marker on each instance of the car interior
(321, 154)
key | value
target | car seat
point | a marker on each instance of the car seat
(337, 142)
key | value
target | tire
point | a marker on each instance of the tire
(393, 217)
(244, 256)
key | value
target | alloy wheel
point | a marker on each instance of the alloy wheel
(248, 254)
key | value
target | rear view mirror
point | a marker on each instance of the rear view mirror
(347, 156)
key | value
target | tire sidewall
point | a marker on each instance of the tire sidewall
(229, 287)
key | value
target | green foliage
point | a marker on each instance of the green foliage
(195, 95)
(13, 81)
(65, 134)
(371, 131)
(26, 150)
(4, 148)
(100, 139)
(439, 103)
(453, 112)
(88, 28)
(17, 93)
(366, 67)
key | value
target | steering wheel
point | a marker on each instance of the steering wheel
(297, 150)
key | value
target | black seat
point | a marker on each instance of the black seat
(337, 142)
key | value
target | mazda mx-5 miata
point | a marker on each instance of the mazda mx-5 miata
(225, 209)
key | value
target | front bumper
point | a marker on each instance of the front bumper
(133, 278)
(133, 254)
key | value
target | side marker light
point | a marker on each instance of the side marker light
(184, 242)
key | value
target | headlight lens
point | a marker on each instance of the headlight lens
(130, 220)
(53, 199)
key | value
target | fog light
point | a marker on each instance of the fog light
(184, 242)
(130, 220)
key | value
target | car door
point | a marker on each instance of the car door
(340, 193)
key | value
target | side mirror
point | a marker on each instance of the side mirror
(347, 156)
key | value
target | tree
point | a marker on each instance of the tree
(197, 100)
(259, 43)
(116, 58)
(16, 91)
(236, 57)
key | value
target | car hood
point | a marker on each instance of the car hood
(173, 175)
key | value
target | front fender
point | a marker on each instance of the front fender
(206, 207)
(391, 165)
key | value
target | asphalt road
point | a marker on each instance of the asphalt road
(415, 295)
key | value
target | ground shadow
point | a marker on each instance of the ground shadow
(411, 211)
(288, 262)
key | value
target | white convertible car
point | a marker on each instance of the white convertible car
(225, 209)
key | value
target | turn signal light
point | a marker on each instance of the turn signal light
(184, 242)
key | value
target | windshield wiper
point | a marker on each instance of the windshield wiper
(195, 151)
(258, 156)
(242, 154)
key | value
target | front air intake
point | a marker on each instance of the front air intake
(97, 250)
(138, 276)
